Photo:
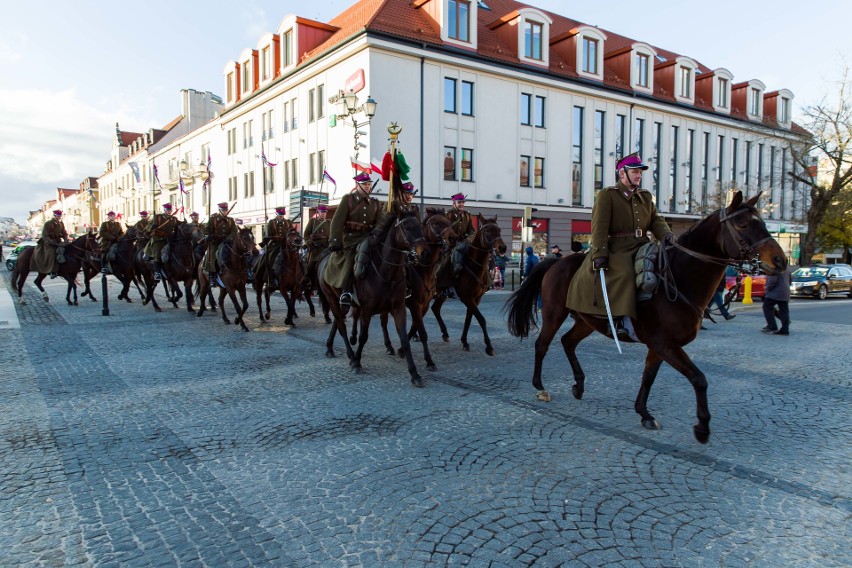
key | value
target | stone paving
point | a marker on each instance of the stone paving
(162, 439)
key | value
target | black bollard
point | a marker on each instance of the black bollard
(105, 292)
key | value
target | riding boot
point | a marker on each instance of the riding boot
(212, 277)
(624, 330)
(104, 267)
(451, 294)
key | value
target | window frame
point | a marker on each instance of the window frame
(528, 110)
(450, 95)
(469, 178)
(590, 33)
(467, 99)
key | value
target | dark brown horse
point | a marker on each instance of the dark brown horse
(310, 286)
(666, 322)
(235, 257)
(289, 283)
(474, 280)
(77, 253)
(421, 280)
(382, 288)
(181, 267)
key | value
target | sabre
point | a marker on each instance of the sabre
(609, 311)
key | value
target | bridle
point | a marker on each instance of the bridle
(411, 256)
(442, 237)
(745, 251)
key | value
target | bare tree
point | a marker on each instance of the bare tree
(824, 159)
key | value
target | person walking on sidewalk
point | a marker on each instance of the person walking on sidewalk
(777, 294)
(719, 300)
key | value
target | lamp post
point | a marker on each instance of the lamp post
(350, 108)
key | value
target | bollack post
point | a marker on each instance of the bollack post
(105, 292)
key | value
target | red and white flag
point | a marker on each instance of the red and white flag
(361, 166)
(376, 165)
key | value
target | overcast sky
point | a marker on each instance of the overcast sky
(70, 70)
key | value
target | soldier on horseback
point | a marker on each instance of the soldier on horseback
(160, 228)
(220, 228)
(108, 235)
(356, 215)
(621, 217)
(316, 238)
(462, 225)
(194, 219)
(49, 253)
(276, 235)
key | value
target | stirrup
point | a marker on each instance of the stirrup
(345, 299)
(624, 330)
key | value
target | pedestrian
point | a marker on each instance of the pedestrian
(555, 252)
(719, 300)
(532, 261)
(500, 261)
(777, 293)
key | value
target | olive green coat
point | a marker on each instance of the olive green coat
(276, 233)
(160, 227)
(617, 210)
(109, 234)
(462, 224)
(219, 228)
(356, 215)
(44, 256)
(316, 237)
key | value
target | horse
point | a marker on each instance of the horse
(122, 267)
(665, 323)
(382, 287)
(474, 280)
(144, 270)
(289, 282)
(77, 252)
(310, 285)
(421, 280)
(181, 266)
(235, 256)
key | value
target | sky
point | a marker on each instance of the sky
(70, 70)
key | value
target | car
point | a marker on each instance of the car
(821, 280)
(12, 259)
(735, 282)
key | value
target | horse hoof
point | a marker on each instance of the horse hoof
(701, 434)
(158, 309)
(446, 338)
(327, 320)
(401, 353)
(652, 424)
(465, 347)
(543, 396)
(489, 351)
(199, 314)
(577, 392)
(390, 351)
(431, 367)
(265, 317)
(358, 370)
(417, 381)
(313, 314)
(330, 354)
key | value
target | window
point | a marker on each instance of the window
(772, 159)
(286, 169)
(590, 55)
(577, 156)
(600, 122)
(526, 109)
(720, 159)
(294, 173)
(287, 48)
(754, 108)
(230, 87)
(320, 102)
(746, 180)
(248, 184)
(642, 70)
(539, 112)
(246, 76)
(271, 124)
(532, 40)
(264, 125)
(269, 179)
(294, 122)
(690, 156)
(449, 95)
(312, 164)
(525, 171)
(232, 141)
(251, 133)
(673, 169)
(722, 96)
(620, 132)
(784, 112)
(449, 162)
(320, 164)
(639, 136)
(265, 63)
(658, 135)
(467, 98)
(286, 115)
(459, 19)
(705, 169)
(783, 180)
(466, 164)
(245, 135)
(232, 188)
(538, 172)
(685, 83)
(311, 99)
(760, 179)
(734, 149)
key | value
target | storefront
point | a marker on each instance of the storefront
(789, 236)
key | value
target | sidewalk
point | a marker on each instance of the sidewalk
(8, 316)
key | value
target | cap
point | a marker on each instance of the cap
(193, 214)
(167, 206)
(362, 177)
(143, 213)
(459, 197)
(631, 162)
(111, 214)
(408, 187)
(223, 205)
(555, 247)
(280, 210)
(529, 250)
(322, 208)
(57, 211)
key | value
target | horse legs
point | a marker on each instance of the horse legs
(418, 327)
(38, 280)
(473, 311)
(383, 318)
(242, 311)
(401, 330)
(72, 287)
(363, 335)
(259, 290)
(552, 319)
(187, 286)
(578, 332)
(436, 310)
(290, 299)
(222, 293)
(680, 361)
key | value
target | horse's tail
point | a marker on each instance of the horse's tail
(521, 305)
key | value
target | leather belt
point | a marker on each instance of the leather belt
(638, 233)
(356, 226)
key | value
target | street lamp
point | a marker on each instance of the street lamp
(350, 108)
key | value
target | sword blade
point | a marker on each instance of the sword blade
(609, 311)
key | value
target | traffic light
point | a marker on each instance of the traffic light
(528, 211)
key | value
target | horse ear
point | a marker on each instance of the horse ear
(753, 201)
(736, 201)
(481, 218)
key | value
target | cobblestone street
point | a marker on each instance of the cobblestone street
(163, 439)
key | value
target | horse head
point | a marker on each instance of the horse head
(131, 234)
(244, 242)
(408, 235)
(438, 229)
(744, 236)
(294, 240)
(489, 236)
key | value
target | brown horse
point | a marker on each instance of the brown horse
(122, 267)
(180, 267)
(474, 280)
(421, 280)
(666, 322)
(77, 253)
(289, 282)
(235, 257)
(382, 288)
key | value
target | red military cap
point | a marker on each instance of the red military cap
(631, 162)
(322, 208)
(224, 205)
(362, 177)
(193, 214)
(57, 212)
(143, 213)
(280, 210)
(167, 206)
(408, 187)
(459, 197)
(111, 214)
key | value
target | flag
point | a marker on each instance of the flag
(265, 161)
(207, 181)
(361, 166)
(157, 177)
(135, 167)
(92, 195)
(182, 190)
(376, 165)
(326, 175)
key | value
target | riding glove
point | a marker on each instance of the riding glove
(335, 248)
(601, 262)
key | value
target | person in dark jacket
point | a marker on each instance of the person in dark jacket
(719, 300)
(777, 293)
(532, 261)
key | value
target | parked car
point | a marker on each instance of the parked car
(12, 259)
(735, 282)
(821, 280)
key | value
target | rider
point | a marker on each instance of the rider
(108, 235)
(276, 234)
(316, 237)
(462, 225)
(47, 256)
(160, 228)
(356, 215)
(194, 217)
(219, 228)
(621, 217)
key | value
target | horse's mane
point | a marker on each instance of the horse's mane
(430, 211)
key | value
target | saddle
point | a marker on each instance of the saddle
(60, 253)
(645, 266)
(362, 258)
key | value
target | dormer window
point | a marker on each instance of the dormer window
(643, 73)
(722, 83)
(265, 63)
(230, 87)
(246, 77)
(684, 87)
(724, 90)
(590, 48)
(685, 83)
(287, 48)
(642, 67)
(754, 104)
(754, 108)
(784, 110)
(458, 20)
(533, 39)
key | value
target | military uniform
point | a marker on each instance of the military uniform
(276, 233)
(316, 237)
(356, 215)
(219, 228)
(160, 228)
(620, 219)
(108, 235)
(44, 257)
(461, 223)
